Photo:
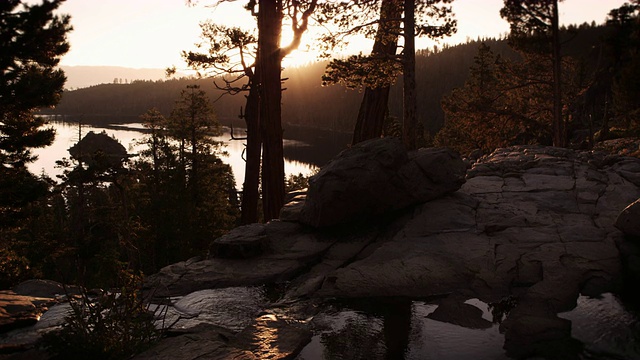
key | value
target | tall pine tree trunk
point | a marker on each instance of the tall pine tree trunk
(558, 123)
(374, 105)
(409, 77)
(250, 193)
(373, 110)
(270, 62)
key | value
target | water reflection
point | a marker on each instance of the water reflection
(606, 327)
(397, 329)
(374, 329)
(301, 157)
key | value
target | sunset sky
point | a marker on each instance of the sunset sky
(152, 33)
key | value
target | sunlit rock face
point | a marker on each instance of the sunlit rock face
(378, 176)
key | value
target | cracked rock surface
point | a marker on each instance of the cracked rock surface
(531, 223)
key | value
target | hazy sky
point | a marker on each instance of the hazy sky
(152, 33)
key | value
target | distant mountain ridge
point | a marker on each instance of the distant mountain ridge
(85, 76)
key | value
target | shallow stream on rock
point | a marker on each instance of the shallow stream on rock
(607, 329)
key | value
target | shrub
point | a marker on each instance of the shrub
(112, 325)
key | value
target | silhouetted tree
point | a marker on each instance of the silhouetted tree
(379, 70)
(230, 58)
(183, 198)
(270, 55)
(270, 15)
(191, 124)
(535, 29)
(476, 116)
(32, 41)
(624, 42)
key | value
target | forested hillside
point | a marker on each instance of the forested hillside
(305, 101)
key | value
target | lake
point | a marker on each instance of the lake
(305, 149)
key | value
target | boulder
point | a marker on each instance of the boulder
(629, 220)
(530, 221)
(200, 342)
(376, 177)
(40, 288)
(241, 243)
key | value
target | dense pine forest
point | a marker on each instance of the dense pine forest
(306, 100)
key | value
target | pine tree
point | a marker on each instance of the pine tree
(376, 72)
(624, 42)
(475, 113)
(535, 29)
(32, 40)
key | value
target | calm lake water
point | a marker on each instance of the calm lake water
(302, 156)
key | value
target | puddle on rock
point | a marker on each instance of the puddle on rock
(606, 327)
(399, 331)
(402, 330)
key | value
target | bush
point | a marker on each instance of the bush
(111, 325)
(13, 267)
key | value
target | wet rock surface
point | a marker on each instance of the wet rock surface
(535, 225)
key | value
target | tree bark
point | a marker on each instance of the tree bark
(250, 193)
(270, 62)
(558, 123)
(409, 77)
(371, 115)
(374, 105)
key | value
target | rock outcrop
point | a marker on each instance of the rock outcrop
(376, 177)
(534, 225)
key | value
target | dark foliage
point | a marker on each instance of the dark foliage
(111, 325)
(32, 40)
